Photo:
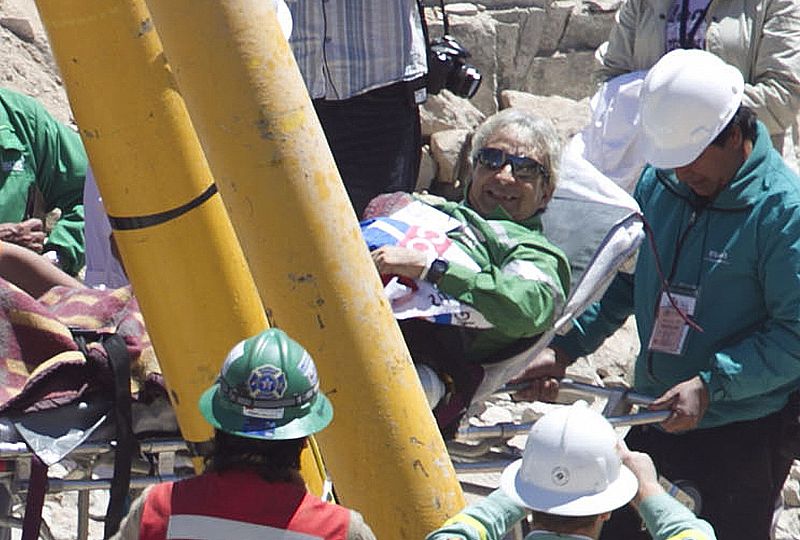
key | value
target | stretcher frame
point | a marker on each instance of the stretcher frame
(593, 270)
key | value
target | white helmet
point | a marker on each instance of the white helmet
(687, 98)
(570, 466)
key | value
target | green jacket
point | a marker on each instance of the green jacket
(38, 150)
(523, 279)
(492, 518)
(741, 253)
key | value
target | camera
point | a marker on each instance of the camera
(448, 68)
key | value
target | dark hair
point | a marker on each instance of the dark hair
(745, 118)
(562, 524)
(274, 461)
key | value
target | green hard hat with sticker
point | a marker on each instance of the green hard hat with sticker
(267, 389)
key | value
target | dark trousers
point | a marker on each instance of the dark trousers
(375, 138)
(739, 470)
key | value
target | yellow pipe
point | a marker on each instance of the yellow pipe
(188, 271)
(279, 182)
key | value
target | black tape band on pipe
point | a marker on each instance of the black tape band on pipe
(141, 222)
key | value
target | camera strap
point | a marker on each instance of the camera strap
(425, 33)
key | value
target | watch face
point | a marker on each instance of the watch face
(437, 270)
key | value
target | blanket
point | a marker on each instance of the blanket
(42, 365)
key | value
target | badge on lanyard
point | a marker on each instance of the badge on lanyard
(670, 329)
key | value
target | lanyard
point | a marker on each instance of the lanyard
(687, 41)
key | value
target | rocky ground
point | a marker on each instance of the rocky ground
(533, 53)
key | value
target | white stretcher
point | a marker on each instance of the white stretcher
(596, 223)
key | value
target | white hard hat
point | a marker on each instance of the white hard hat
(284, 17)
(687, 98)
(570, 466)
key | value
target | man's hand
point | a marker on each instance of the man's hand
(29, 233)
(642, 467)
(542, 374)
(399, 261)
(688, 402)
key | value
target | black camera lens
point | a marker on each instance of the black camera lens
(465, 81)
(448, 68)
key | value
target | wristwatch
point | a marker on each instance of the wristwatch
(436, 270)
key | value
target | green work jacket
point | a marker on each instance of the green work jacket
(522, 284)
(39, 151)
(492, 518)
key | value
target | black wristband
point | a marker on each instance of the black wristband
(436, 271)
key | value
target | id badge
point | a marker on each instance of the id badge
(670, 329)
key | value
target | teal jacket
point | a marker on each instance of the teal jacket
(741, 251)
(38, 150)
(492, 518)
(523, 279)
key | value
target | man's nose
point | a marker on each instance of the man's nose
(505, 173)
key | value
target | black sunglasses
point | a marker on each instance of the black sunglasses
(523, 168)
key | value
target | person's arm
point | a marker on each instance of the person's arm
(31, 272)
(589, 331)
(618, 56)
(599, 321)
(774, 87)
(667, 519)
(664, 517)
(521, 296)
(769, 356)
(60, 174)
(129, 528)
(358, 529)
(488, 519)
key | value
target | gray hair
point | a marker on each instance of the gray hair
(530, 129)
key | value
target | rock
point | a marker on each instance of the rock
(26, 63)
(791, 490)
(569, 116)
(602, 6)
(448, 111)
(19, 27)
(495, 415)
(462, 8)
(568, 75)
(427, 169)
(586, 31)
(477, 34)
(446, 148)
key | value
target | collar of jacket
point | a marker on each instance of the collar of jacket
(499, 213)
(750, 180)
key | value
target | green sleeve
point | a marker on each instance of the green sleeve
(358, 529)
(600, 320)
(60, 175)
(667, 519)
(488, 519)
(130, 525)
(765, 359)
(520, 296)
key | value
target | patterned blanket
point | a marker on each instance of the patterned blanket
(42, 366)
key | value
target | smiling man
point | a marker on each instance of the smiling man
(521, 278)
(716, 294)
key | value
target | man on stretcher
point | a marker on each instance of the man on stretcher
(481, 270)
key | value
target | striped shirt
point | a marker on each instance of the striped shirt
(347, 47)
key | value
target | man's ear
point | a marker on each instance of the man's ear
(547, 194)
(737, 137)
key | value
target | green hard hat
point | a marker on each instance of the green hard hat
(267, 389)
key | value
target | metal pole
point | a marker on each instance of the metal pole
(177, 242)
(298, 230)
